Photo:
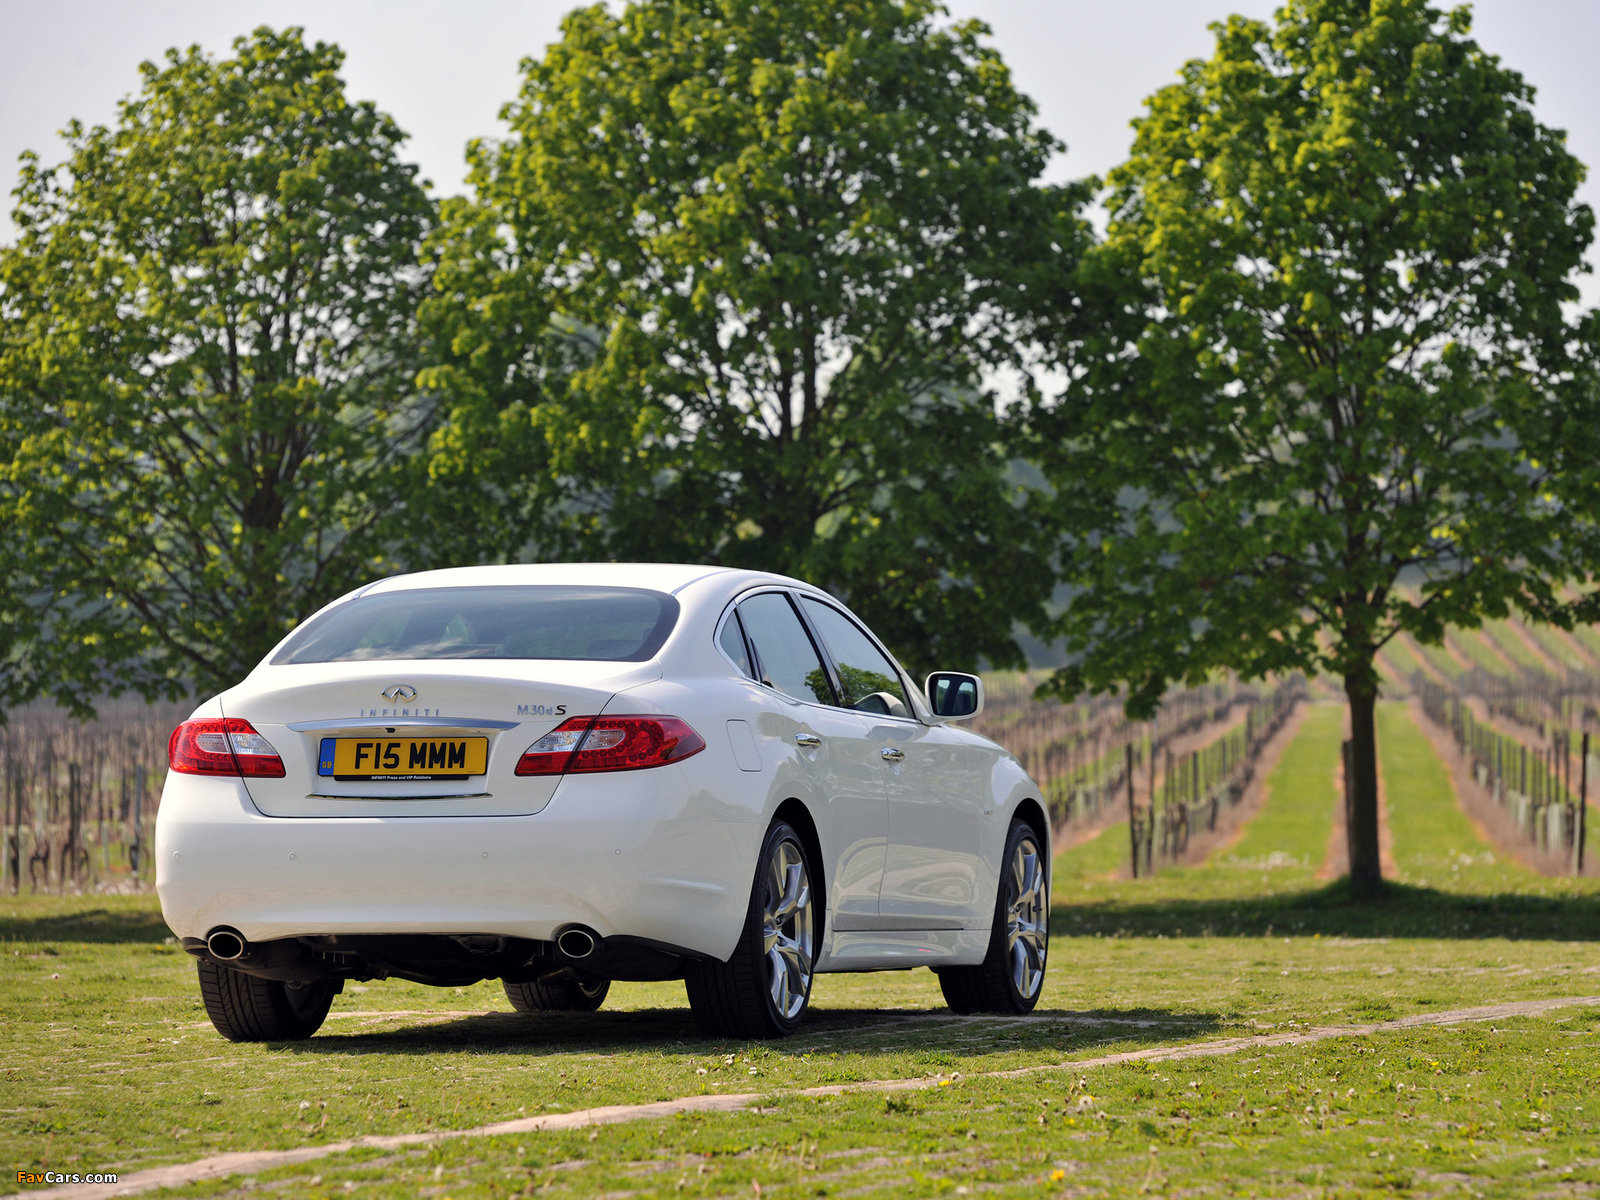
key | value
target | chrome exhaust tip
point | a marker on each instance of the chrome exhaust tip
(576, 942)
(226, 944)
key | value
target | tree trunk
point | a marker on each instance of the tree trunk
(1361, 832)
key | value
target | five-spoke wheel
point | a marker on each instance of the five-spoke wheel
(1027, 920)
(788, 929)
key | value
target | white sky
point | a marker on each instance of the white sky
(444, 70)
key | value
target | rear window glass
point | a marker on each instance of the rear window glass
(605, 624)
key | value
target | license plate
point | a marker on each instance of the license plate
(403, 758)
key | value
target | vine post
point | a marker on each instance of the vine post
(1133, 816)
(1583, 807)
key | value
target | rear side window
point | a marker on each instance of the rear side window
(540, 621)
(733, 644)
(788, 661)
(869, 680)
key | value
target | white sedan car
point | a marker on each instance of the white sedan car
(563, 775)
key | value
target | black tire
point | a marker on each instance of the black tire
(557, 993)
(736, 999)
(993, 985)
(246, 1008)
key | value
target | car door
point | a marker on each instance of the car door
(933, 869)
(832, 746)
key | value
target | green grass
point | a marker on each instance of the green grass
(1588, 637)
(1279, 851)
(1094, 860)
(1557, 647)
(1290, 835)
(1501, 1111)
(1402, 660)
(1513, 647)
(1478, 649)
(1433, 840)
(1440, 660)
(114, 1067)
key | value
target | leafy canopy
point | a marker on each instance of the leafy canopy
(204, 371)
(1337, 390)
(728, 292)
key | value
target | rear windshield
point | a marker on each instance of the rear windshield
(608, 624)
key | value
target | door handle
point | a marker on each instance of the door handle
(807, 741)
(890, 754)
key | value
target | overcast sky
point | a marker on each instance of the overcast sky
(444, 70)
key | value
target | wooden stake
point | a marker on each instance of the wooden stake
(1133, 824)
(1583, 801)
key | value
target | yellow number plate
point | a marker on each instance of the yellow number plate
(403, 758)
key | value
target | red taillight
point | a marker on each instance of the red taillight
(629, 743)
(611, 744)
(551, 753)
(222, 746)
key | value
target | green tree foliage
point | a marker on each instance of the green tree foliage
(206, 334)
(1337, 388)
(727, 294)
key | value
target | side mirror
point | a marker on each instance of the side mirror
(954, 696)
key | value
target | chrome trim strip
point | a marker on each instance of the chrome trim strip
(879, 923)
(397, 722)
(387, 799)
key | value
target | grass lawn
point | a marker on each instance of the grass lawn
(1440, 660)
(1399, 655)
(1434, 842)
(114, 1066)
(1287, 842)
(1476, 645)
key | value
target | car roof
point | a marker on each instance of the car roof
(660, 577)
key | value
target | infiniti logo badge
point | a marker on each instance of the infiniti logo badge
(400, 691)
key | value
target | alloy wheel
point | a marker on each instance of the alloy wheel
(788, 929)
(1026, 917)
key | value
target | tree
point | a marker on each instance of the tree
(206, 355)
(1334, 396)
(751, 264)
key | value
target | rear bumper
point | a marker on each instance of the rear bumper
(625, 854)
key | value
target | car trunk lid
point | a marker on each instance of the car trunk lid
(499, 708)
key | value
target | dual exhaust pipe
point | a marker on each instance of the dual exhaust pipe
(575, 942)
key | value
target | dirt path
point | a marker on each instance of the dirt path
(1337, 863)
(220, 1165)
